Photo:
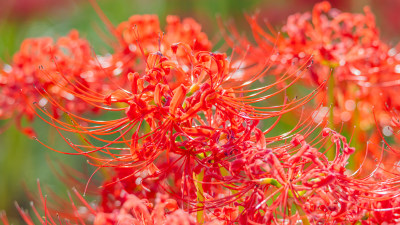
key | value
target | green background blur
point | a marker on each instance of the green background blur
(23, 160)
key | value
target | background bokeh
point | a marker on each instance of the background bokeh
(23, 160)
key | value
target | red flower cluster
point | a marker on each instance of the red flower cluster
(43, 65)
(344, 46)
(184, 146)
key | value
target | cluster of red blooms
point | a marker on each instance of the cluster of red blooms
(363, 72)
(185, 146)
(344, 46)
(36, 68)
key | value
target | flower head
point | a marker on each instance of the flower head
(44, 66)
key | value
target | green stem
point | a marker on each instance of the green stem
(276, 183)
(200, 196)
(225, 172)
(331, 104)
(358, 144)
(291, 194)
(303, 215)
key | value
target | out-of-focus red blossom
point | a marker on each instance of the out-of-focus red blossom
(346, 45)
(42, 67)
(335, 40)
(145, 30)
(142, 35)
(276, 12)
(127, 209)
(136, 211)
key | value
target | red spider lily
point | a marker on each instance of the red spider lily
(322, 191)
(116, 205)
(344, 45)
(170, 112)
(127, 209)
(38, 64)
(142, 35)
(270, 183)
(335, 39)
(146, 29)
